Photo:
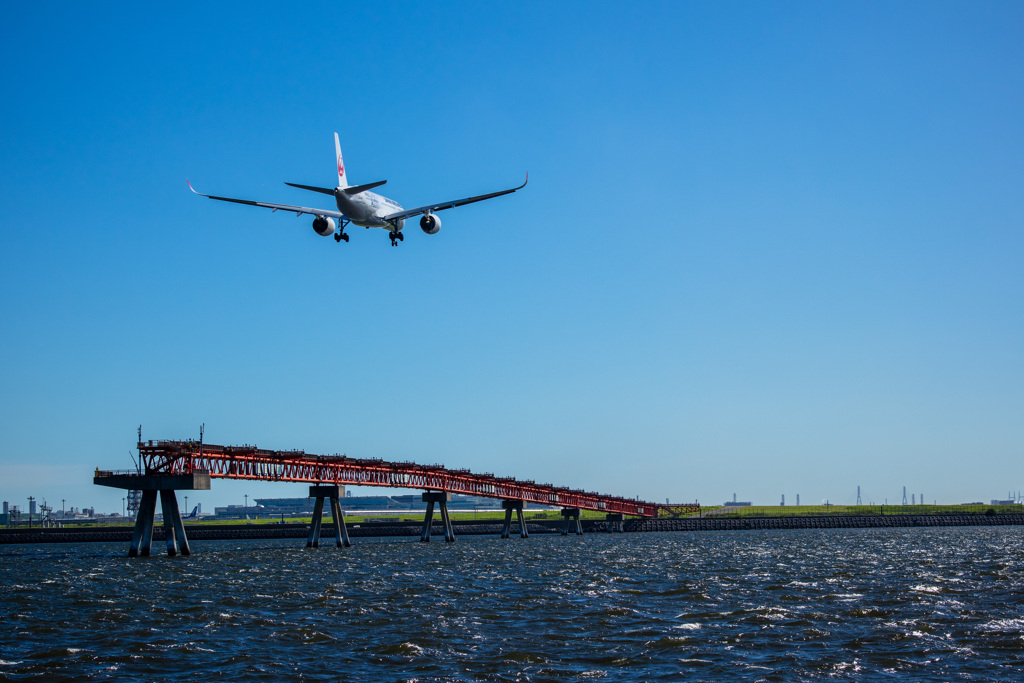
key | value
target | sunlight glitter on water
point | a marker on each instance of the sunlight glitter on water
(782, 605)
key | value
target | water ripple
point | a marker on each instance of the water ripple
(799, 605)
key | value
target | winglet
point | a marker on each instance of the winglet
(194, 189)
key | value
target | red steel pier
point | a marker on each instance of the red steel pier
(175, 465)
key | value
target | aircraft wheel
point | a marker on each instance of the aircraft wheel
(337, 237)
(401, 237)
(344, 236)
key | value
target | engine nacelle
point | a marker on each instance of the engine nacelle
(324, 226)
(430, 223)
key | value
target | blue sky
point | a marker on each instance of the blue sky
(766, 248)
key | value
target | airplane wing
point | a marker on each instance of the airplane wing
(440, 206)
(297, 210)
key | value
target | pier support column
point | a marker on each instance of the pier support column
(179, 526)
(441, 498)
(333, 494)
(572, 514)
(340, 530)
(509, 506)
(427, 519)
(174, 530)
(314, 524)
(506, 528)
(150, 484)
(142, 537)
(449, 532)
(615, 521)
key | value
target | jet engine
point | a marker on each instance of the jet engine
(430, 223)
(324, 226)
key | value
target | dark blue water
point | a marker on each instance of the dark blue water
(868, 604)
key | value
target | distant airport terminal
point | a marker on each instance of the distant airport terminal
(264, 508)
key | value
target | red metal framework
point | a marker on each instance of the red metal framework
(249, 462)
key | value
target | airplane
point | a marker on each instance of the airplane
(358, 206)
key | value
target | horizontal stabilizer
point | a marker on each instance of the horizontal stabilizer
(321, 190)
(356, 189)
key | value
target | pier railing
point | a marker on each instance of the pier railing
(250, 462)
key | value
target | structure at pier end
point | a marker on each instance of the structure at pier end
(175, 465)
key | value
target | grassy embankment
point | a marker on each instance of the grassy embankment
(860, 510)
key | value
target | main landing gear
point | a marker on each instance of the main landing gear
(396, 237)
(341, 234)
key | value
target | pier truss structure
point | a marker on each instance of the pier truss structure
(186, 459)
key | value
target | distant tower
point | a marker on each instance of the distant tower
(798, 500)
(783, 503)
(734, 497)
(858, 496)
(134, 502)
(904, 495)
(912, 500)
(921, 498)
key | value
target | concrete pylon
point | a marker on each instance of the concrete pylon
(574, 515)
(332, 493)
(150, 485)
(517, 506)
(314, 524)
(142, 536)
(441, 498)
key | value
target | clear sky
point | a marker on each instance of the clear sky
(766, 248)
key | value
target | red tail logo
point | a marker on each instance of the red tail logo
(341, 168)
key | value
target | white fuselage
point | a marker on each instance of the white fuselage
(366, 209)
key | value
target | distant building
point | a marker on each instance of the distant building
(301, 507)
(277, 506)
(738, 504)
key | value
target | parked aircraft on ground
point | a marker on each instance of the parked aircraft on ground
(357, 205)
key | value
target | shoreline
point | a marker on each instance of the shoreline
(476, 528)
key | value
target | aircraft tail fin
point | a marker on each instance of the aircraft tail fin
(342, 178)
